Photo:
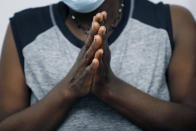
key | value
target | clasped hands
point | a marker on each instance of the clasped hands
(91, 71)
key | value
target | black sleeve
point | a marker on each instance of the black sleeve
(156, 15)
(26, 25)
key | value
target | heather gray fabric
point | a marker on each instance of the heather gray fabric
(140, 57)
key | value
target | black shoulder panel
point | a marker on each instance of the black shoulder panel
(156, 15)
(27, 25)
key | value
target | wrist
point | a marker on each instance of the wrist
(67, 93)
(108, 88)
(70, 94)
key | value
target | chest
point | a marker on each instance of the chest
(139, 56)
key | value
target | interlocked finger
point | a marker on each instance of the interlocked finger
(93, 31)
(97, 43)
(99, 54)
(93, 66)
(102, 31)
(98, 17)
(98, 20)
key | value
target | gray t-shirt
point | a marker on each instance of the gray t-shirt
(141, 49)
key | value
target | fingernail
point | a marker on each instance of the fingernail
(101, 52)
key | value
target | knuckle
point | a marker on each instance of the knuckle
(84, 61)
(84, 48)
(98, 14)
(88, 70)
(86, 56)
(99, 17)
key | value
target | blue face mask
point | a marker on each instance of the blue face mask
(83, 6)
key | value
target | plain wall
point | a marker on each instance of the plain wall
(8, 7)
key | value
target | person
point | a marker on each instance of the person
(134, 70)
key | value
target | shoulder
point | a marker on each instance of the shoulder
(183, 22)
(181, 13)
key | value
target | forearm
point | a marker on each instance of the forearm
(147, 111)
(47, 114)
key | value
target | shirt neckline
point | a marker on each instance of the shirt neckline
(59, 13)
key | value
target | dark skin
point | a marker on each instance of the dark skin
(16, 114)
(144, 110)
